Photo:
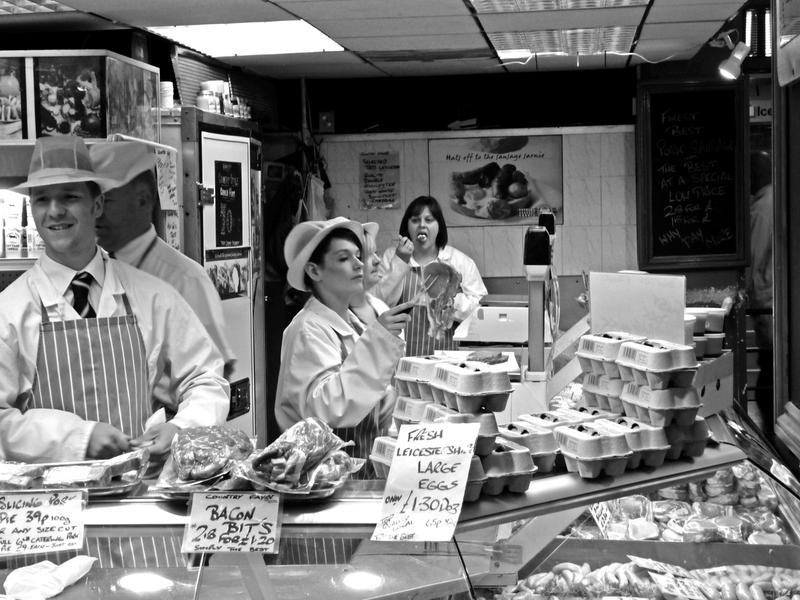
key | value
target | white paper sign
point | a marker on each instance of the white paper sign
(167, 175)
(425, 487)
(602, 516)
(32, 522)
(654, 565)
(233, 522)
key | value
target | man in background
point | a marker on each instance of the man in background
(760, 279)
(126, 231)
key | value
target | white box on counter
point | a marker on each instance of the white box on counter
(714, 383)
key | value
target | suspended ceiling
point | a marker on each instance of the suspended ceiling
(399, 38)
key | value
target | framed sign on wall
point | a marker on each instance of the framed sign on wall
(692, 183)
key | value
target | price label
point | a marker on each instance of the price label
(659, 567)
(32, 522)
(678, 586)
(233, 522)
(602, 516)
(425, 487)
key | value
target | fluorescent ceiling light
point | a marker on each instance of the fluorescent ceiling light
(508, 6)
(26, 7)
(247, 39)
(564, 41)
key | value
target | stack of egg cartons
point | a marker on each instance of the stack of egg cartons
(412, 383)
(597, 355)
(708, 334)
(471, 392)
(658, 391)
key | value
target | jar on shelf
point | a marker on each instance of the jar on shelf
(206, 100)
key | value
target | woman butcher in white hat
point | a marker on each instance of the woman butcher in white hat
(332, 366)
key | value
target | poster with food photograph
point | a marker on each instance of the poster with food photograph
(133, 99)
(12, 99)
(228, 269)
(497, 180)
(71, 96)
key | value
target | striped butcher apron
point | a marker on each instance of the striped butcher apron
(94, 368)
(418, 342)
(365, 432)
(97, 369)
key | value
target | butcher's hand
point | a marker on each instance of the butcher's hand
(395, 319)
(158, 439)
(404, 250)
(107, 441)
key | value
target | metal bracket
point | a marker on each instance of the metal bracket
(206, 194)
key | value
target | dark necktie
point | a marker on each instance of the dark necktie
(80, 291)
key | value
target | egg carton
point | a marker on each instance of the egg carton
(475, 480)
(487, 430)
(535, 438)
(591, 468)
(661, 407)
(413, 376)
(508, 467)
(550, 419)
(470, 378)
(648, 444)
(656, 355)
(590, 400)
(657, 380)
(594, 412)
(597, 352)
(588, 440)
(689, 442)
(576, 415)
(408, 410)
(471, 403)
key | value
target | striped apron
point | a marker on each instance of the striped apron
(97, 369)
(418, 342)
(94, 368)
(365, 432)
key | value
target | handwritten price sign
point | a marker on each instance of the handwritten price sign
(425, 486)
(32, 522)
(233, 522)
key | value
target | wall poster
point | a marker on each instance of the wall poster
(133, 99)
(497, 180)
(379, 179)
(72, 98)
(12, 99)
(228, 203)
(230, 272)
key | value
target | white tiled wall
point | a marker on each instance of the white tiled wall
(599, 230)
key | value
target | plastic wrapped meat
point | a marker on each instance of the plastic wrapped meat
(202, 452)
(296, 452)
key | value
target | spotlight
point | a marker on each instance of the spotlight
(731, 67)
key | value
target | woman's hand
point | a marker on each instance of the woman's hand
(106, 441)
(395, 319)
(404, 250)
(158, 439)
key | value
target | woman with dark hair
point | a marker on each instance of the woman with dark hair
(423, 240)
(332, 366)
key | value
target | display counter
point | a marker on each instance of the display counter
(326, 551)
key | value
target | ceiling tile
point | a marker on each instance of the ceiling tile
(317, 65)
(347, 28)
(156, 13)
(417, 42)
(372, 9)
(561, 19)
(690, 12)
(679, 31)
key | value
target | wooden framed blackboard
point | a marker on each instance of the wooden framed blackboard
(692, 183)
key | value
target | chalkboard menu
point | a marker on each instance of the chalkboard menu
(691, 183)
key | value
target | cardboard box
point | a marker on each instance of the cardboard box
(714, 383)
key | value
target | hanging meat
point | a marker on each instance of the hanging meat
(442, 283)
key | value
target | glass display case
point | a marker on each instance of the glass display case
(542, 542)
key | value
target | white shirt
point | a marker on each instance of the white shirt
(174, 339)
(394, 271)
(185, 275)
(313, 379)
